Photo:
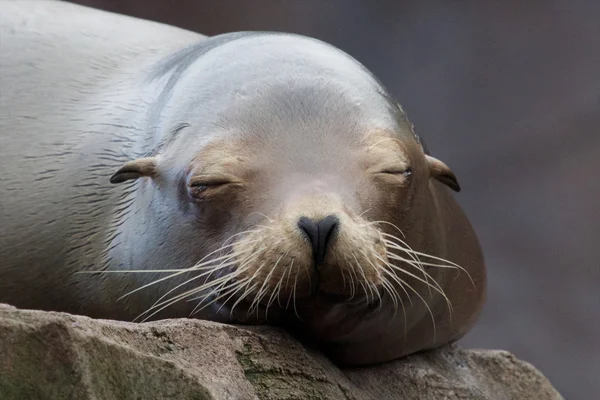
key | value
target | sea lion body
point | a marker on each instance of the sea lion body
(76, 102)
(273, 171)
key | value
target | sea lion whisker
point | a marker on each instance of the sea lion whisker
(372, 285)
(146, 271)
(395, 295)
(223, 291)
(256, 295)
(278, 288)
(400, 258)
(365, 277)
(248, 290)
(265, 227)
(206, 266)
(287, 284)
(415, 258)
(240, 286)
(274, 291)
(294, 297)
(437, 288)
(353, 286)
(166, 303)
(379, 298)
(364, 212)
(392, 290)
(133, 271)
(217, 286)
(206, 285)
(424, 302)
(208, 272)
(408, 262)
(395, 277)
(286, 271)
(355, 266)
(222, 286)
(388, 223)
(232, 259)
(451, 265)
(262, 215)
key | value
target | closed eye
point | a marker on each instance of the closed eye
(203, 181)
(403, 171)
(207, 184)
(199, 185)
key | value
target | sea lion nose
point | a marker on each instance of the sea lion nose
(319, 233)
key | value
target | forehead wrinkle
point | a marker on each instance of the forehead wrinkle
(220, 155)
(374, 139)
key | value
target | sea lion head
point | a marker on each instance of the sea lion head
(299, 183)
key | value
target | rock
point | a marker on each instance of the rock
(48, 355)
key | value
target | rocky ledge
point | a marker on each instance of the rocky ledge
(47, 355)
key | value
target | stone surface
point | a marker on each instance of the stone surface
(47, 355)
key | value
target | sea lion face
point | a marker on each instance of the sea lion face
(309, 214)
(302, 180)
(306, 224)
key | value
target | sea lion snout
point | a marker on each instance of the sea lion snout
(319, 234)
(314, 247)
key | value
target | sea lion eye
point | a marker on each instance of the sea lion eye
(199, 187)
(404, 171)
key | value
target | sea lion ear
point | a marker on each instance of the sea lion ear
(442, 173)
(135, 169)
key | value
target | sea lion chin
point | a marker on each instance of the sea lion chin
(251, 178)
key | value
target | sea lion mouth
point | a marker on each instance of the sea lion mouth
(371, 299)
(334, 297)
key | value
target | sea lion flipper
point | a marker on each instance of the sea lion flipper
(442, 173)
(135, 169)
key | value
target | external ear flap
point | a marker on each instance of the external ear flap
(442, 173)
(135, 169)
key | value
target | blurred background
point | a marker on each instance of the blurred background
(507, 94)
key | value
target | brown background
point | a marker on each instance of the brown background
(508, 94)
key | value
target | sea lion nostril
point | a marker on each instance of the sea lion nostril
(319, 234)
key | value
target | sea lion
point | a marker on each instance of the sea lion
(250, 177)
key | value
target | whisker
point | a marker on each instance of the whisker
(389, 287)
(230, 290)
(390, 224)
(371, 285)
(294, 302)
(451, 265)
(364, 278)
(287, 285)
(424, 302)
(396, 278)
(175, 299)
(256, 296)
(247, 291)
(204, 286)
(437, 288)
(201, 265)
(208, 272)
(271, 298)
(364, 212)
(262, 215)
(415, 258)
(429, 285)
